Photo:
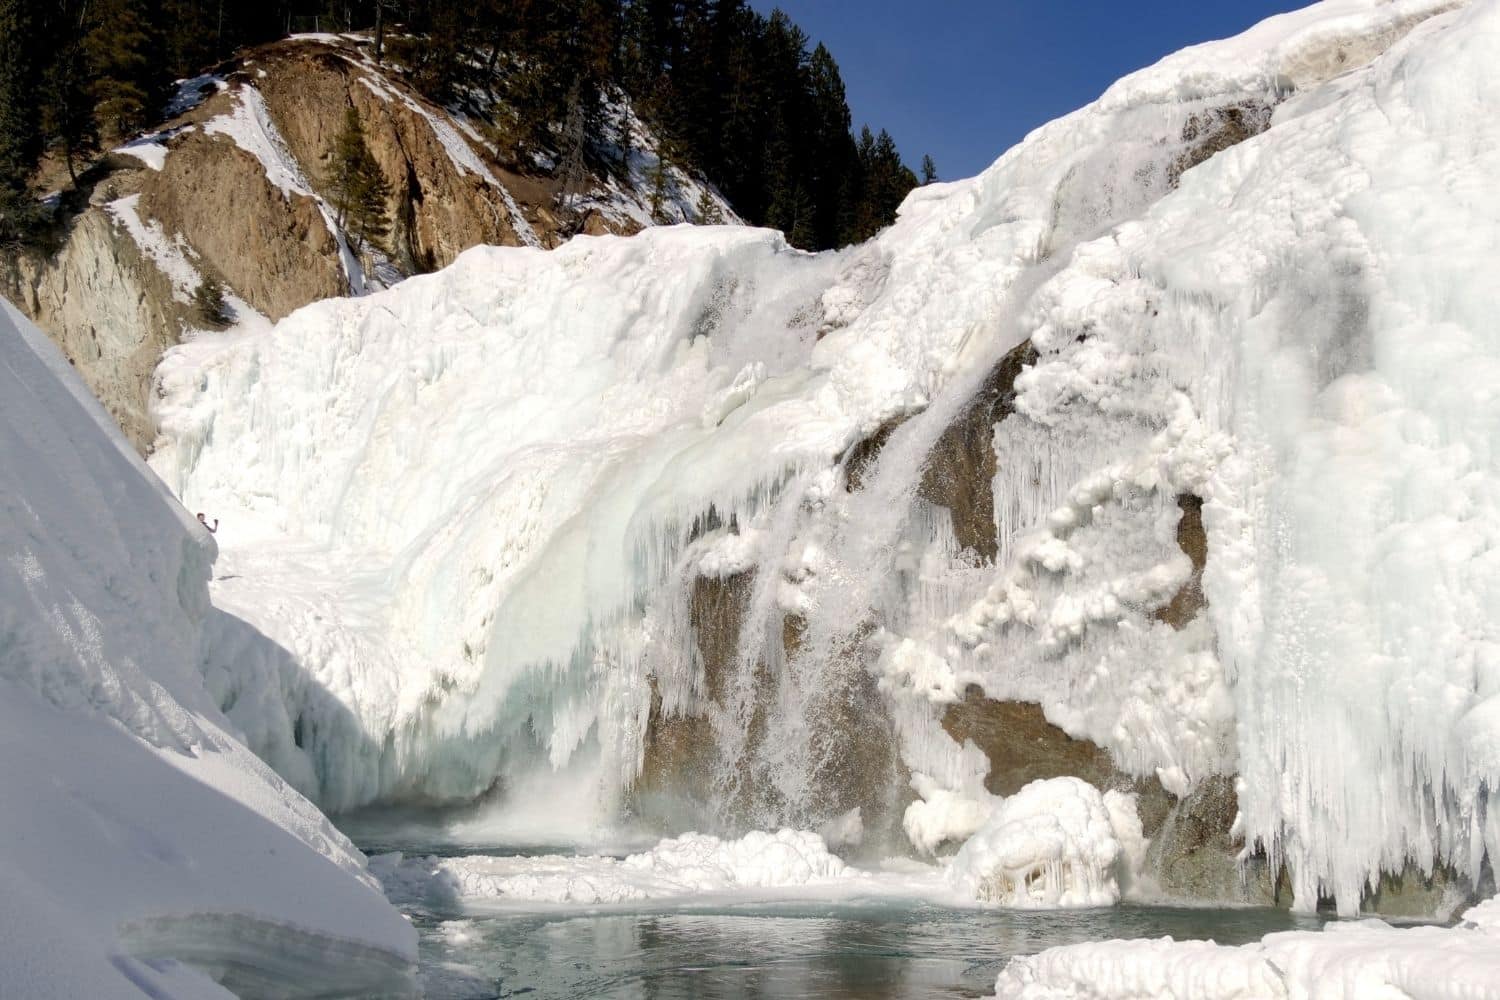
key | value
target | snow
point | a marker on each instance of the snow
(188, 94)
(465, 516)
(149, 149)
(638, 150)
(1056, 843)
(1344, 961)
(141, 841)
(1053, 843)
(690, 866)
(169, 255)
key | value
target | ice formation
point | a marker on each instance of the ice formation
(143, 848)
(1054, 843)
(693, 865)
(467, 516)
(1344, 961)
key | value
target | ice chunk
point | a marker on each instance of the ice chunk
(1053, 843)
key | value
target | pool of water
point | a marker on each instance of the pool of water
(869, 950)
(781, 951)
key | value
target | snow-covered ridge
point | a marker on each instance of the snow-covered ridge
(472, 508)
(129, 798)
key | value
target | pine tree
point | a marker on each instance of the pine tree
(208, 302)
(360, 191)
(658, 176)
(124, 63)
(20, 140)
(708, 210)
(67, 113)
(929, 170)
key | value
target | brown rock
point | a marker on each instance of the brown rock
(108, 309)
(1215, 130)
(274, 250)
(960, 470)
(1191, 538)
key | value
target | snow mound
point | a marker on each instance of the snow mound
(1344, 961)
(1055, 843)
(139, 833)
(688, 866)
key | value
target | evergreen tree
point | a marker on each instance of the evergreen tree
(929, 170)
(125, 65)
(209, 304)
(360, 191)
(708, 210)
(736, 94)
(20, 139)
(658, 176)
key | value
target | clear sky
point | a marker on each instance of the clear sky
(964, 80)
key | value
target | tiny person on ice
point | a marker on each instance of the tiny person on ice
(204, 521)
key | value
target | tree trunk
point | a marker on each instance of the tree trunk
(379, 30)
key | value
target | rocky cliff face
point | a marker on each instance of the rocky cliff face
(234, 188)
(109, 309)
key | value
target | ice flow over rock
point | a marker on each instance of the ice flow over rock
(467, 516)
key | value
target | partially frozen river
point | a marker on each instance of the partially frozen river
(781, 951)
(717, 946)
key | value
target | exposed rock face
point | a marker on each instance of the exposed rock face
(1189, 600)
(678, 767)
(275, 250)
(439, 211)
(1022, 746)
(1215, 130)
(960, 471)
(108, 308)
(112, 311)
(854, 763)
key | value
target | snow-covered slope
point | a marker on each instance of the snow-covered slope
(143, 849)
(470, 515)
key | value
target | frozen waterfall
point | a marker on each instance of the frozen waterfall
(696, 509)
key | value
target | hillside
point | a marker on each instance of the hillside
(236, 187)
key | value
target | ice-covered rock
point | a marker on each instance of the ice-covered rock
(1056, 842)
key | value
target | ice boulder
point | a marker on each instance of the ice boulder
(1057, 842)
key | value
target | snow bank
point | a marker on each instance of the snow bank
(1054, 843)
(471, 509)
(1344, 961)
(138, 832)
(692, 865)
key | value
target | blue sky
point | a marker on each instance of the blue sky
(966, 79)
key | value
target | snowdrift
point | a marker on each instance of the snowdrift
(467, 515)
(143, 848)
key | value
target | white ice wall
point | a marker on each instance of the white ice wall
(461, 511)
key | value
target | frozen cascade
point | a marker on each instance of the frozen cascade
(479, 509)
